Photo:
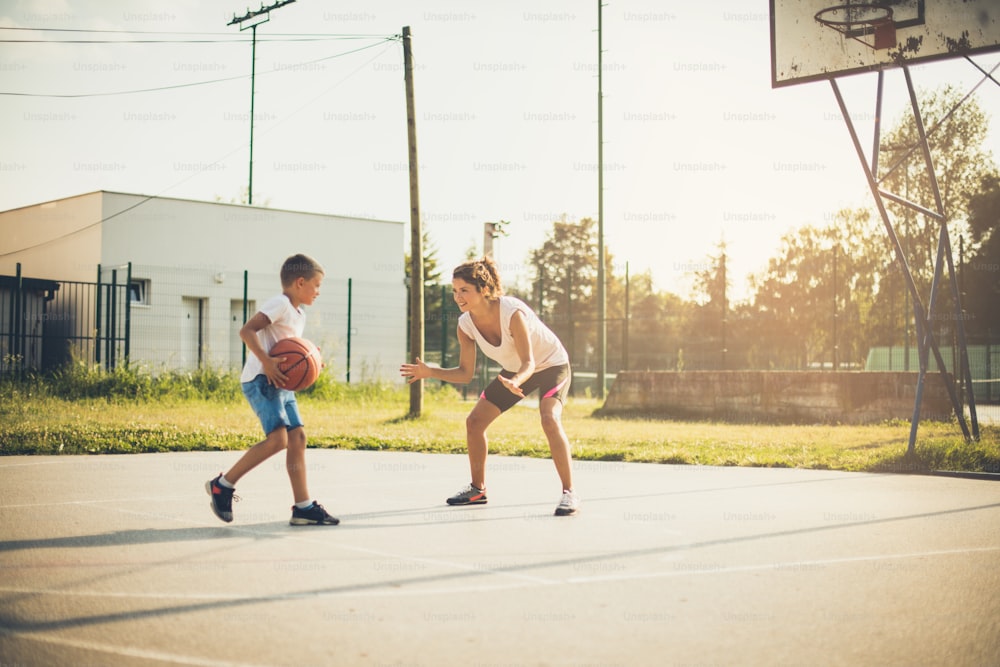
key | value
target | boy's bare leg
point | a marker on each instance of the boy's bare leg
(295, 463)
(275, 441)
(551, 413)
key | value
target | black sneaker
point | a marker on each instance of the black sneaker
(312, 516)
(222, 499)
(470, 495)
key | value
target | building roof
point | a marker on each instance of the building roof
(201, 201)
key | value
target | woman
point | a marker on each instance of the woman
(510, 333)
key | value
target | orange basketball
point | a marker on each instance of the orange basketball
(302, 362)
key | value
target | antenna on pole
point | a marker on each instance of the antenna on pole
(491, 231)
(252, 19)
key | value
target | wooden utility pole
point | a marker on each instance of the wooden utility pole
(416, 240)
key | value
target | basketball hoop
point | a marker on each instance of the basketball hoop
(860, 21)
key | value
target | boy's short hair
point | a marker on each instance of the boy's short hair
(299, 266)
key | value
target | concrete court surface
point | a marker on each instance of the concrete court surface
(118, 560)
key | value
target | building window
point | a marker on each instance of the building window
(138, 292)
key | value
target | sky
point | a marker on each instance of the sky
(699, 149)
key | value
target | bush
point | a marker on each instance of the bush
(79, 381)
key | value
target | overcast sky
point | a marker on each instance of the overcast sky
(698, 147)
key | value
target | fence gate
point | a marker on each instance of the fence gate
(46, 324)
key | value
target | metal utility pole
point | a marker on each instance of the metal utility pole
(602, 297)
(416, 240)
(254, 19)
(725, 306)
(836, 360)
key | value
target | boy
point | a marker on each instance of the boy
(280, 317)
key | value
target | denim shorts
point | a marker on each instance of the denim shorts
(274, 407)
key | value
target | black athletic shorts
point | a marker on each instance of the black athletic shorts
(552, 382)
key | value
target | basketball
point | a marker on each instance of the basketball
(302, 362)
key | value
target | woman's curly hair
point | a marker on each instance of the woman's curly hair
(483, 274)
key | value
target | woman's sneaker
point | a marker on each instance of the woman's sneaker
(569, 504)
(314, 515)
(470, 495)
(222, 499)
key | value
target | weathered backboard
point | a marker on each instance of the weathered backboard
(803, 49)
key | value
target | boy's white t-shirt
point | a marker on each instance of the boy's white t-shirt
(286, 322)
(545, 345)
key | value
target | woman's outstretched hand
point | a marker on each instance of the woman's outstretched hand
(414, 372)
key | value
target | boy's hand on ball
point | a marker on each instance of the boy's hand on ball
(272, 370)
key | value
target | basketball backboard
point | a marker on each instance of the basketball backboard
(822, 39)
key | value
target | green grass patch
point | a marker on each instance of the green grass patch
(127, 411)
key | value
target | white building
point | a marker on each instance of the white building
(192, 262)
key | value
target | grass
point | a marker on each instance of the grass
(205, 411)
(64, 417)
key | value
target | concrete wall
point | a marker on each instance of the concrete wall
(851, 397)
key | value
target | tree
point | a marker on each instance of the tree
(653, 324)
(435, 309)
(705, 324)
(565, 284)
(981, 275)
(810, 304)
(956, 133)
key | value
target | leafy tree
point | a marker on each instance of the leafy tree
(436, 313)
(705, 325)
(981, 275)
(566, 283)
(653, 325)
(956, 131)
(810, 304)
(964, 170)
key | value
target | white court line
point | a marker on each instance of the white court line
(32, 463)
(779, 567)
(63, 503)
(124, 651)
(789, 566)
(388, 590)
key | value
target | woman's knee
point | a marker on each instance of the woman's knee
(475, 423)
(481, 417)
(551, 423)
(551, 417)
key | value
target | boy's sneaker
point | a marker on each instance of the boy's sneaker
(314, 515)
(222, 499)
(568, 504)
(470, 495)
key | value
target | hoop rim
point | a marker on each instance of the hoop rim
(837, 24)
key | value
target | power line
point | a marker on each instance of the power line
(382, 40)
(181, 32)
(147, 198)
(234, 40)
